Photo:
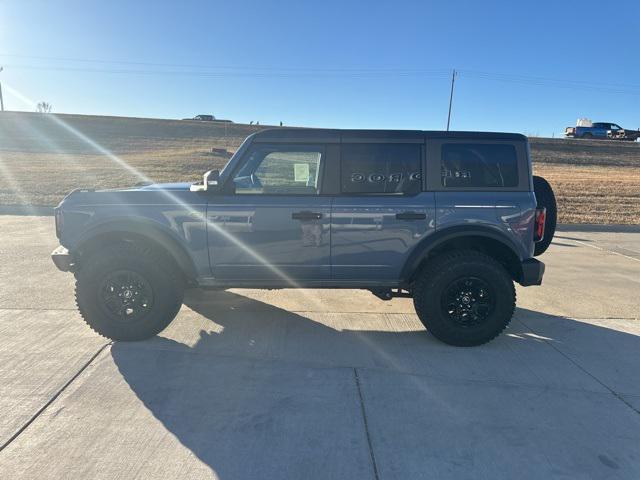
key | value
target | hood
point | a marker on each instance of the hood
(157, 193)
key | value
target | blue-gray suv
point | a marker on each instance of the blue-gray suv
(451, 219)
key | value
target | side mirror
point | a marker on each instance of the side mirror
(210, 178)
(209, 182)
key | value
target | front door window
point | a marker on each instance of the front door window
(279, 171)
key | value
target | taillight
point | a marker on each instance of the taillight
(541, 216)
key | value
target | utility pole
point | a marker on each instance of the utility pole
(453, 81)
(1, 100)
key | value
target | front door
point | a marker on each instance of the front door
(276, 225)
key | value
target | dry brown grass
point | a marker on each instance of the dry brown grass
(45, 178)
(40, 161)
(594, 181)
(591, 194)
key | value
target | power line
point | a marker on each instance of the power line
(394, 70)
(546, 79)
(627, 89)
(389, 70)
(231, 73)
(221, 71)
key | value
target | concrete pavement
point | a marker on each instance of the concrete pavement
(323, 384)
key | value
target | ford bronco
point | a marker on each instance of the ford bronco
(451, 219)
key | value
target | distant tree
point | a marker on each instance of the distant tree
(44, 107)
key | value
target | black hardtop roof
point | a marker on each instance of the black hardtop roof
(283, 134)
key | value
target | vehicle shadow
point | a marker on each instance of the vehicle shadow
(563, 244)
(563, 237)
(275, 394)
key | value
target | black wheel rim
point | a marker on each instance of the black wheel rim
(126, 296)
(468, 302)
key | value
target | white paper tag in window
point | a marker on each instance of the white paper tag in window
(301, 172)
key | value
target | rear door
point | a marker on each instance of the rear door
(381, 211)
(274, 225)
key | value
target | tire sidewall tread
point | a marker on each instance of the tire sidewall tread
(438, 274)
(166, 285)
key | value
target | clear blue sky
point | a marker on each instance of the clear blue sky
(331, 63)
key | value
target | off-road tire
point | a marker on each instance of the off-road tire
(429, 292)
(545, 198)
(164, 282)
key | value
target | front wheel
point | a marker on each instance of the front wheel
(126, 292)
(464, 298)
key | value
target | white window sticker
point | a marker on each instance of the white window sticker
(301, 172)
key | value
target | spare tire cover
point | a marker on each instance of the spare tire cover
(545, 198)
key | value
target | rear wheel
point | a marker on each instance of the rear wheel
(126, 292)
(464, 298)
(545, 198)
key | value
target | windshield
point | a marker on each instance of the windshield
(229, 166)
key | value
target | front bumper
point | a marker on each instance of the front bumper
(62, 259)
(532, 272)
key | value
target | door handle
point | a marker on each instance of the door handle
(411, 216)
(306, 216)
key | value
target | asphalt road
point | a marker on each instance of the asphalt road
(250, 384)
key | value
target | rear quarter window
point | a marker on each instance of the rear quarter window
(478, 165)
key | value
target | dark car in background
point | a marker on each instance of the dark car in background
(202, 118)
(208, 118)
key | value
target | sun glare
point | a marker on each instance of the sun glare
(170, 196)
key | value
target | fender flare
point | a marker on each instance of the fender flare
(155, 232)
(433, 241)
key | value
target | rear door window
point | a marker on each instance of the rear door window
(479, 165)
(381, 168)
